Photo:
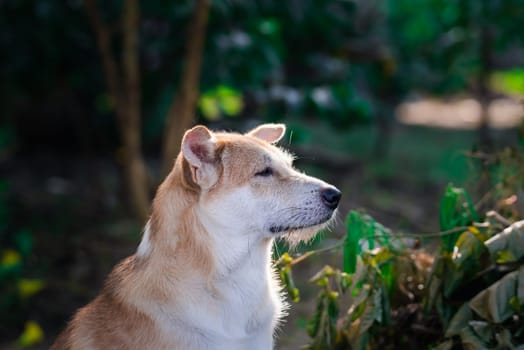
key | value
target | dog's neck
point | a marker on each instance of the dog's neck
(234, 246)
(180, 235)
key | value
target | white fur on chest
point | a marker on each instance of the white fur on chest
(238, 309)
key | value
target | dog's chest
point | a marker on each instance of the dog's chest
(248, 300)
(239, 310)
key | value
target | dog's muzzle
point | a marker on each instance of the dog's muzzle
(307, 216)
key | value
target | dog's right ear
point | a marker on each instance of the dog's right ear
(199, 148)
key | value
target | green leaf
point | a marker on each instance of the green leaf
(471, 341)
(520, 287)
(504, 339)
(230, 100)
(465, 261)
(355, 309)
(28, 287)
(322, 326)
(377, 303)
(354, 231)
(209, 107)
(467, 250)
(514, 302)
(269, 26)
(510, 240)
(287, 278)
(31, 335)
(509, 82)
(313, 324)
(456, 209)
(493, 303)
(10, 258)
(434, 284)
(371, 235)
(368, 317)
(24, 242)
(504, 257)
(221, 100)
(344, 280)
(484, 330)
(359, 335)
(459, 321)
(388, 276)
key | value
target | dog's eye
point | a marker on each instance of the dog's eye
(266, 172)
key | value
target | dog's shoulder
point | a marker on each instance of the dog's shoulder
(109, 321)
(63, 342)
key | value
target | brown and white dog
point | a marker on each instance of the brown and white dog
(201, 277)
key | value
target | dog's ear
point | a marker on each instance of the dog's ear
(199, 150)
(271, 133)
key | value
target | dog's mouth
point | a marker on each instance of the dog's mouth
(276, 229)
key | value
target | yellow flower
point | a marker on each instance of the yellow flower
(32, 334)
(28, 287)
(10, 258)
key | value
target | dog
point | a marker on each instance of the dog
(201, 277)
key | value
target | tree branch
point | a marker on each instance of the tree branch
(125, 92)
(103, 40)
(181, 112)
(131, 125)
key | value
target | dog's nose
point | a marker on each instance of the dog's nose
(331, 197)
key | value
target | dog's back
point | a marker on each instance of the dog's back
(109, 322)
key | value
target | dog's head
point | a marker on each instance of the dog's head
(245, 184)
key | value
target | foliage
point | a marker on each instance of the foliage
(32, 335)
(343, 62)
(16, 288)
(442, 42)
(222, 100)
(509, 82)
(505, 171)
(470, 295)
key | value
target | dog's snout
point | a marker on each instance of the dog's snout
(331, 197)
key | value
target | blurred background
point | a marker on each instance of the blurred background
(388, 100)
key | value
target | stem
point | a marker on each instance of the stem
(496, 216)
(315, 252)
(339, 244)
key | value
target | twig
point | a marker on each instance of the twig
(341, 243)
(492, 214)
(318, 251)
(434, 234)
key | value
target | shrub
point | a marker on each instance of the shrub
(390, 293)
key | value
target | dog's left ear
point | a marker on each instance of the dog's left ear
(199, 149)
(271, 133)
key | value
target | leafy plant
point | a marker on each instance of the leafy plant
(388, 293)
(15, 287)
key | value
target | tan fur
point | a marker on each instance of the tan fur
(181, 266)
